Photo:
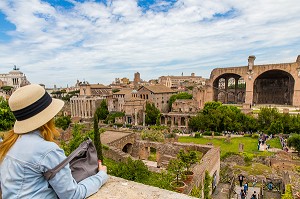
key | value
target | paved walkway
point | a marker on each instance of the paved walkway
(249, 193)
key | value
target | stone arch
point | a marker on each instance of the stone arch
(182, 121)
(231, 98)
(127, 148)
(152, 154)
(163, 120)
(221, 97)
(227, 86)
(274, 87)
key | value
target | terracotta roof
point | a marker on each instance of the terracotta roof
(159, 88)
(132, 99)
(123, 92)
(99, 86)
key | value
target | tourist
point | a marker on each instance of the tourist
(270, 186)
(254, 181)
(29, 150)
(241, 179)
(246, 188)
(242, 194)
(254, 196)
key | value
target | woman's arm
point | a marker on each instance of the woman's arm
(64, 184)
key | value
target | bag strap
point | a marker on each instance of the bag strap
(52, 172)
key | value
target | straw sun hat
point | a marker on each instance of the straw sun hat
(33, 107)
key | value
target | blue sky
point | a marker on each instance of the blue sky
(60, 41)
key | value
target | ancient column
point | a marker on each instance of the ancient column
(187, 122)
(236, 86)
(135, 117)
(76, 107)
(226, 91)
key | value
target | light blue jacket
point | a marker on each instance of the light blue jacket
(21, 172)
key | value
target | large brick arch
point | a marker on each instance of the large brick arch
(226, 88)
(274, 87)
(250, 73)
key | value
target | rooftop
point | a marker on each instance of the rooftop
(159, 89)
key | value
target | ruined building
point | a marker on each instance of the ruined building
(253, 84)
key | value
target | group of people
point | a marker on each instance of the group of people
(262, 140)
(284, 144)
(245, 187)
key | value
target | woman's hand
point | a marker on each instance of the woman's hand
(101, 167)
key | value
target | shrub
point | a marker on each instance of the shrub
(207, 133)
(255, 136)
(217, 134)
(118, 125)
(248, 158)
(197, 191)
(170, 135)
(63, 122)
(198, 135)
(288, 192)
(134, 170)
(207, 182)
(152, 135)
(227, 154)
(248, 135)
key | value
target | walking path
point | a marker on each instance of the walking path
(249, 193)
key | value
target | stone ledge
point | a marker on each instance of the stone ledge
(118, 188)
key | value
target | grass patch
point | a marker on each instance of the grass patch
(161, 180)
(152, 156)
(250, 145)
(255, 169)
(274, 143)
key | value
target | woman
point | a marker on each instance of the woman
(29, 150)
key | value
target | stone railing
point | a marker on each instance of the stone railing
(118, 188)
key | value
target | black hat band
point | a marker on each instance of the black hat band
(34, 108)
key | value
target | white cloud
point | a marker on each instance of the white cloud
(53, 45)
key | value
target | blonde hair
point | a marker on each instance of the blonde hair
(48, 132)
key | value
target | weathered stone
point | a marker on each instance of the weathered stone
(118, 188)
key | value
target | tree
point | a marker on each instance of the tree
(176, 167)
(111, 117)
(134, 170)
(276, 127)
(97, 139)
(188, 159)
(7, 119)
(7, 89)
(63, 122)
(102, 111)
(179, 96)
(266, 116)
(207, 182)
(294, 141)
(152, 114)
(208, 106)
(77, 139)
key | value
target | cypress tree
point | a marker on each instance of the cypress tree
(97, 139)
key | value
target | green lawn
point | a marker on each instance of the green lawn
(255, 169)
(250, 144)
(274, 143)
